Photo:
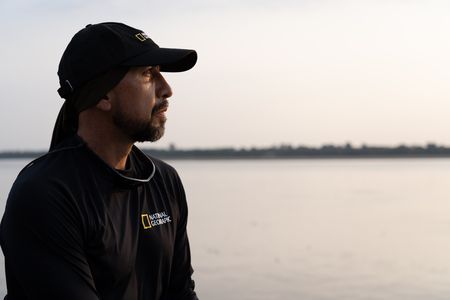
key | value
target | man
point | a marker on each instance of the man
(95, 218)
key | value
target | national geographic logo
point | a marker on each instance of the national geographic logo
(142, 36)
(152, 220)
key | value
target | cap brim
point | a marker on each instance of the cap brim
(169, 59)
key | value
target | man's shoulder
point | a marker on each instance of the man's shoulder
(50, 170)
(54, 162)
(164, 171)
(53, 180)
(162, 165)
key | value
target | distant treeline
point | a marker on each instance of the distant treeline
(283, 151)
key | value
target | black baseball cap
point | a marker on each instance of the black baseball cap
(98, 48)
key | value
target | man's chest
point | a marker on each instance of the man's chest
(133, 234)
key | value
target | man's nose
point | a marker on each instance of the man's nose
(163, 89)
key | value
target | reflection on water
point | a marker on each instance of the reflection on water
(315, 229)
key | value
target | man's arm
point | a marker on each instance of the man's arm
(42, 240)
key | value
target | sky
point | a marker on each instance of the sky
(268, 73)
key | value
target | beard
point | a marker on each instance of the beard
(140, 130)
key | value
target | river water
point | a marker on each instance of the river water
(320, 229)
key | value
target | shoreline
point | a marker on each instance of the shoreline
(264, 154)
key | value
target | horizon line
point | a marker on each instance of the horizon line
(173, 146)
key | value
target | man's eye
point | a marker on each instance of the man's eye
(152, 72)
(148, 72)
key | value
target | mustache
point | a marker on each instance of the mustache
(160, 105)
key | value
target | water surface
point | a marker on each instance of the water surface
(313, 229)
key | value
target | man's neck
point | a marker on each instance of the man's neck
(113, 149)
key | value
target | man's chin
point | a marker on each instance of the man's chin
(151, 135)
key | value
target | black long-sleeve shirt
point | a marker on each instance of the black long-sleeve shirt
(75, 228)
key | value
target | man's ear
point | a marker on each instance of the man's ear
(104, 104)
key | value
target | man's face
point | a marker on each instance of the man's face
(139, 103)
